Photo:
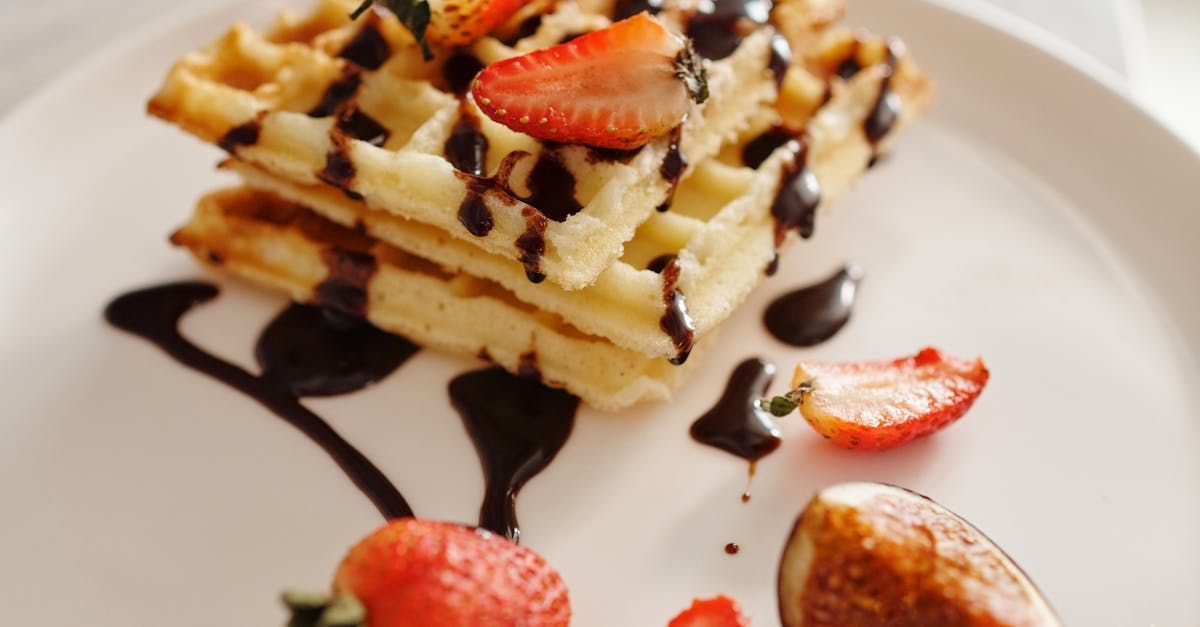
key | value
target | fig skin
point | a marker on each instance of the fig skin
(873, 554)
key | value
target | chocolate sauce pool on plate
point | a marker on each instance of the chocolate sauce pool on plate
(810, 315)
(303, 351)
(735, 423)
(518, 425)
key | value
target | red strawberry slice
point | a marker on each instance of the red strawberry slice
(720, 611)
(447, 22)
(416, 572)
(460, 22)
(617, 87)
(884, 404)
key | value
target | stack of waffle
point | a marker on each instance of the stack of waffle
(372, 184)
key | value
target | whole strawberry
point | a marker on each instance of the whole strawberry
(617, 87)
(414, 572)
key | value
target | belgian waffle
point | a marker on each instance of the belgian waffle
(365, 168)
(324, 100)
(283, 246)
(722, 233)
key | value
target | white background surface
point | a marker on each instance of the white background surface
(1155, 44)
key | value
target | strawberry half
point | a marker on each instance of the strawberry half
(618, 87)
(447, 22)
(720, 611)
(460, 22)
(884, 404)
(414, 572)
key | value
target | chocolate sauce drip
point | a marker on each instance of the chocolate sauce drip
(673, 165)
(732, 548)
(781, 58)
(795, 205)
(532, 244)
(473, 213)
(849, 67)
(466, 148)
(339, 170)
(368, 48)
(359, 125)
(760, 148)
(736, 424)
(526, 28)
(338, 94)
(716, 33)
(675, 321)
(241, 135)
(552, 188)
(312, 351)
(886, 110)
(345, 287)
(623, 9)
(460, 69)
(518, 425)
(154, 315)
(527, 366)
(659, 263)
(772, 266)
(813, 314)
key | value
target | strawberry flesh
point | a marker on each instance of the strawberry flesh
(720, 611)
(460, 22)
(617, 88)
(885, 404)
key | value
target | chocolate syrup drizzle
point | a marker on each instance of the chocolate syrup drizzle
(518, 425)
(368, 49)
(736, 424)
(886, 110)
(719, 28)
(303, 352)
(623, 9)
(460, 69)
(532, 243)
(246, 134)
(552, 188)
(757, 150)
(813, 314)
(675, 321)
(673, 165)
(799, 194)
(345, 288)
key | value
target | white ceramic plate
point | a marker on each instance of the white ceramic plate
(1036, 217)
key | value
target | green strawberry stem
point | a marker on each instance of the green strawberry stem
(689, 68)
(414, 14)
(780, 406)
(318, 609)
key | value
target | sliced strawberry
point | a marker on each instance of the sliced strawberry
(720, 611)
(447, 23)
(414, 572)
(884, 404)
(617, 87)
(460, 22)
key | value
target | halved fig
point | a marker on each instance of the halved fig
(874, 554)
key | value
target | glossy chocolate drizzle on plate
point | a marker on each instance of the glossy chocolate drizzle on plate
(810, 315)
(736, 424)
(518, 425)
(302, 352)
